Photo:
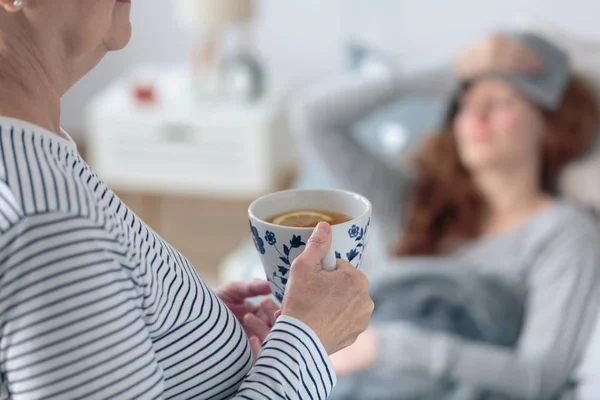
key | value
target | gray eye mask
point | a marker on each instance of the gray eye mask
(545, 88)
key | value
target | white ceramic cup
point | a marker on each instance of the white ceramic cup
(278, 246)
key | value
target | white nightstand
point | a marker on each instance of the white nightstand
(182, 146)
(189, 170)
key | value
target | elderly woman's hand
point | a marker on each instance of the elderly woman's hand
(497, 52)
(235, 296)
(258, 325)
(334, 304)
(257, 319)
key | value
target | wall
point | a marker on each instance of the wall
(302, 40)
(433, 30)
(298, 40)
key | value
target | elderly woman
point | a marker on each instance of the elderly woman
(93, 303)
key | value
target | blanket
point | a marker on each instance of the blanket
(441, 297)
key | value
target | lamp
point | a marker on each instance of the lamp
(215, 15)
(214, 74)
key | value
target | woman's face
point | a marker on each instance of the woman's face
(84, 25)
(496, 127)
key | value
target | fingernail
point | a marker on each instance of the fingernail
(323, 227)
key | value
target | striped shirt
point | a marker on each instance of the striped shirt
(94, 304)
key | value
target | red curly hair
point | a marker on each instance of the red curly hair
(446, 208)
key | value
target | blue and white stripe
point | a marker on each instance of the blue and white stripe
(94, 304)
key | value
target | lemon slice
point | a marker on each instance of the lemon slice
(302, 219)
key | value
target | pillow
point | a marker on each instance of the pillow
(394, 132)
(367, 60)
(364, 60)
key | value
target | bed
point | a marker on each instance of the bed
(399, 127)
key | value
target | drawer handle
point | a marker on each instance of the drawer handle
(177, 133)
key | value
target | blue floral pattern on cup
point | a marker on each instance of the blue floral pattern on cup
(279, 277)
(353, 232)
(270, 238)
(359, 235)
(258, 242)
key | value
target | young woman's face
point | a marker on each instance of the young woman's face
(496, 127)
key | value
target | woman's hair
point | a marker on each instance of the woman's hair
(446, 207)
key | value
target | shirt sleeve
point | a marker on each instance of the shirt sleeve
(560, 312)
(73, 325)
(292, 365)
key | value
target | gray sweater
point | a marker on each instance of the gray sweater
(555, 256)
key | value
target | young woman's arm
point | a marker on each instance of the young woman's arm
(322, 118)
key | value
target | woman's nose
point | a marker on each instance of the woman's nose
(479, 111)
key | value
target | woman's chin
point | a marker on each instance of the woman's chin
(119, 39)
(478, 162)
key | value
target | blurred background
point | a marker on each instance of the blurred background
(198, 100)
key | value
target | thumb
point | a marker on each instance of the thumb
(317, 246)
